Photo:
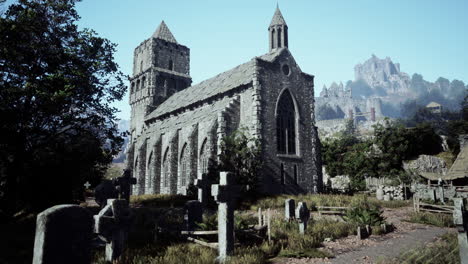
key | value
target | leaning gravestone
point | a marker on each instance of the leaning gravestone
(63, 235)
(193, 214)
(112, 225)
(225, 194)
(289, 206)
(105, 190)
(303, 215)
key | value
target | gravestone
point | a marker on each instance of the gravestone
(123, 185)
(303, 216)
(63, 235)
(225, 194)
(260, 223)
(360, 233)
(105, 190)
(386, 197)
(289, 206)
(379, 193)
(202, 184)
(193, 214)
(112, 225)
(461, 223)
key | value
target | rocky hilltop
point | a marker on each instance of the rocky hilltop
(383, 75)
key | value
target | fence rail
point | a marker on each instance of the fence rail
(418, 206)
(331, 210)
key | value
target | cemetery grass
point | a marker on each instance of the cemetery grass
(435, 219)
(314, 200)
(443, 250)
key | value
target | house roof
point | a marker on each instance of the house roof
(433, 104)
(221, 83)
(459, 168)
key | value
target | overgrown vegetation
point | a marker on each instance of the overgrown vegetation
(362, 213)
(435, 219)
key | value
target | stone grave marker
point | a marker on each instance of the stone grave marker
(105, 190)
(193, 214)
(63, 235)
(202, 184)
(225, 194)
(461, 223)
(303, 216)
(289, 206)
(123, 184)
(112, 225)
(379, 193)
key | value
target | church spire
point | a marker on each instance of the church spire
(278, 31)
(163, 32)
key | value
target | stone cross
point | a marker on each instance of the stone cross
(87, 185)
(193, 214)
(303, 215)
(225, 194)
(124, 184)
(202, 184)
(63, 235)
(112, 225)
(289, 206)
(461, 223)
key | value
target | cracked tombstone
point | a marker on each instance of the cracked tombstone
(193, 214)
(124, 184)
(303, 215)
(63, 235)
(289, 206)
(460, 221)
(112, 225)
(225, 194)
(202, 184)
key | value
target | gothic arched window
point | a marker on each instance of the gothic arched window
(166, 169)
(286, 124)
(204, 156)
(279, 37)
(273, 39)
(143, 82)
(184, 166)
(171, 65)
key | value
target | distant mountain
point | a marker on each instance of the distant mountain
(122, 125)
(383, 79)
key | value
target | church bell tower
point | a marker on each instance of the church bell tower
(161, 67)
(278, 31)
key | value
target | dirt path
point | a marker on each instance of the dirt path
(405, 237)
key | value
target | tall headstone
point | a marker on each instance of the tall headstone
(63, 235)
(112, 225)
(193, 214)
(379, 193)
(461, 223)
(124, 185)
(289, 206)
(303, 215)
(225, 193)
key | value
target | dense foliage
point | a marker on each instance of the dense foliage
(56, 86)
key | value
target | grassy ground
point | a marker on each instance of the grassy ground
(444, 250)
(314, 200)
(436, 219)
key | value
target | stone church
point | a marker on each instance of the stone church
(177, 127)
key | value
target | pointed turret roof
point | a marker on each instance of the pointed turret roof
(277, 18)
(163, 32)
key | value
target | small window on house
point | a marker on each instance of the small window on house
(285, 69)
(282, 174)
(141, 66)
(143, 82)
(132, 89)
(138, 85)
(171, 65)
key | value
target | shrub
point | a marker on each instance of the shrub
(441, 220)
(362, 212)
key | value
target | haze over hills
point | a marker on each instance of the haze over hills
(383, 79)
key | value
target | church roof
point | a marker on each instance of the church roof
(163, 32)
(459, 168)
(278, 18)
(221, 83)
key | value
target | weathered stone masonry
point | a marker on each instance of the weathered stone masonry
(176, 128)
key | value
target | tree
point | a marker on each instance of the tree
(56, 86)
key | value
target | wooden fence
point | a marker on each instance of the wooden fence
(331, 210)
(419, 206)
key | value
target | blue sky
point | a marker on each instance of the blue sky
(327, 38)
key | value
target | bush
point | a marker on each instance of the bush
(441, 220)
(362, 213)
